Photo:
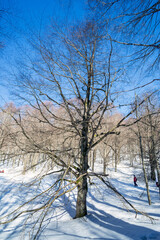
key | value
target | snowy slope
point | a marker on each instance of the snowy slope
(107, 217)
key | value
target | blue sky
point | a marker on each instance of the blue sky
(36, 15)
(26, 15)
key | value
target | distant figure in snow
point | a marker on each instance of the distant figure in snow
(135, 181)
(157, 184)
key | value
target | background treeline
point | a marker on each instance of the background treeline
(32, 142)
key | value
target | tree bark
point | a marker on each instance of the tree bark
(144, 171)
(142, 158)
(94, 158)
(152, 153)
(153, 165)
(81, 208)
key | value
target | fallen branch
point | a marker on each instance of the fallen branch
(109, 185)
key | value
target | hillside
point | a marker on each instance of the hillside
(108, 217)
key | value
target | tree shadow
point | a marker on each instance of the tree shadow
(13, 194)
(96, 225)
(118, 207)
(123, 228)
(99, 225)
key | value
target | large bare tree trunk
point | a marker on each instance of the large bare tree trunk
(116, 160)
(81, 209)
(144, 171)
(142, 158)
(152, 150)
(153, 165)
(93, 159)
(105, 161)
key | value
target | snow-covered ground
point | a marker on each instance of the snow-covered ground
(107, 217)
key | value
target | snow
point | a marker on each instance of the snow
(107, 216)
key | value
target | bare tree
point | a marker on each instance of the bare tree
(142, 158)
(79, 80)
(150, 132)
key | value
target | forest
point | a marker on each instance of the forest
(85, 100)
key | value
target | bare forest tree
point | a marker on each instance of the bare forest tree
(73, 80)
(74, 73)
(110, 148)
(142, 156)
(132, 147)
(151, 125)
(146, 134)
(8, 130)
